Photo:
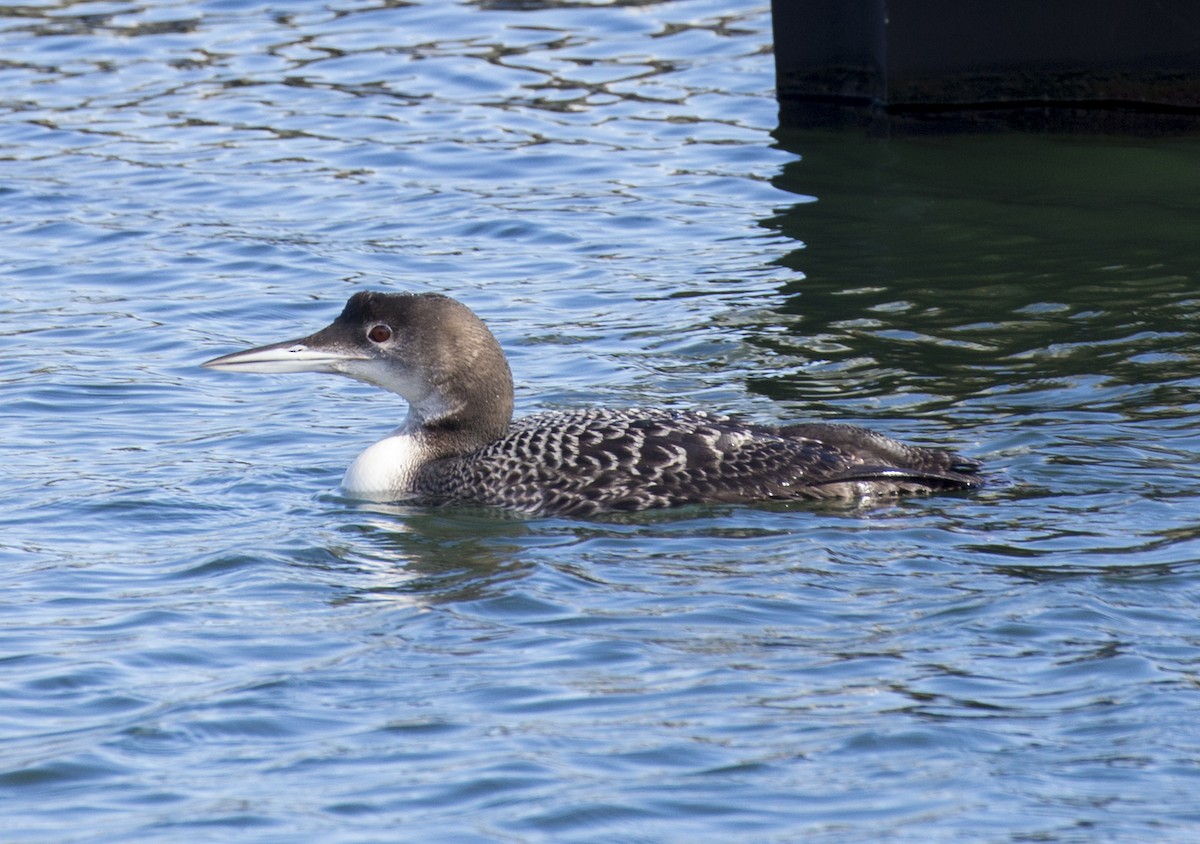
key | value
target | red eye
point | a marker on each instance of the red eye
(379, 334)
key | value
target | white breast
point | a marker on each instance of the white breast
(384, 472)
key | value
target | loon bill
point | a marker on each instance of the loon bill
(460, 444)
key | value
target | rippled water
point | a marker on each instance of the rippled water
(201, 640)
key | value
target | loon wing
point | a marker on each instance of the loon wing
(706, 459)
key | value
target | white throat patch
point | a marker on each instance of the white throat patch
(384, 472)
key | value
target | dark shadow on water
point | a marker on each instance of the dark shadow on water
(955, 278)
(958, 258)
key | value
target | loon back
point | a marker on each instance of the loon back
(459, 445)
(587, 462)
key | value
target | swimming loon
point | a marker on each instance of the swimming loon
(459, 443)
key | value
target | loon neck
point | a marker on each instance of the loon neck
(468, 405)
(464, 428)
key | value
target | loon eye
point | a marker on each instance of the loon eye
(379, 334)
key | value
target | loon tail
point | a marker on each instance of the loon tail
(961, 475)
(891, 461)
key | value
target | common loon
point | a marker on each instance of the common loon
(459, 443)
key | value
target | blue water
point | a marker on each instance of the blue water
(200, 640)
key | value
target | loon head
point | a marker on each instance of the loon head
(428, 348)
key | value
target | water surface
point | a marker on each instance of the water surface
(202, 640)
